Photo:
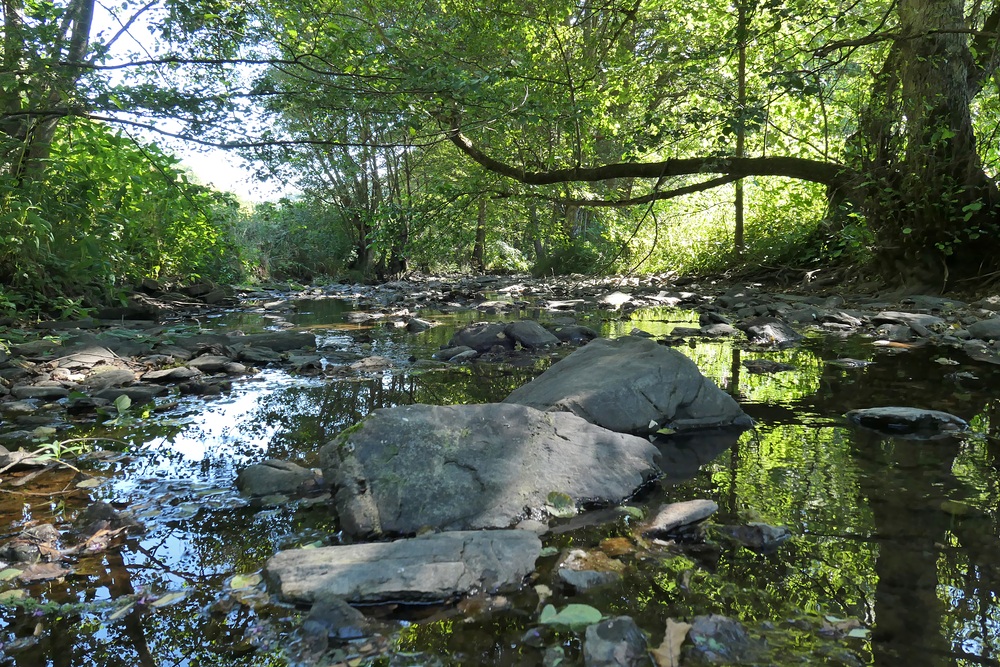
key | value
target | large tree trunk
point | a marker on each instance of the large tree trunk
(934, 209)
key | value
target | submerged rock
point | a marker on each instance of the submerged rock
(475, 466)
(616, 642)
(434, 567)
(631, 385)
(770, 331)
(757, 536)
(275, 477)
(483, 337)
(721, 640)
(912, 423)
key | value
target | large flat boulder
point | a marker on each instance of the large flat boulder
(463, 467)
(423, 569)
(631, 385)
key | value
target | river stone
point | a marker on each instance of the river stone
(482, 337)
(677, 515)
(908, 422)
(279, 341)
(274, 476)
(629, 383)
(985, 329)
(576, 334)
(616, 642)
(770, 331)
(177, 374)
(433, 567)
(257, 355)
(139, 394)
(909, 319)
(108, 377)
(461, 467)
(44, 392)
(209, 363)
(87, 357)
(530, 334)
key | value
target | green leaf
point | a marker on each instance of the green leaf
(9, 573)
(122, 403)
(573, 616)
(245, 581)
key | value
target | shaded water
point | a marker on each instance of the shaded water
(899, 534)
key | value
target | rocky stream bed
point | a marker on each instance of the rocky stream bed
(501, 470)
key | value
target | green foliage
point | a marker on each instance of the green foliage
(106, 213)
(292, 240)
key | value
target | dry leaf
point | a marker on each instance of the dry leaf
(43, 571)
(669, 652)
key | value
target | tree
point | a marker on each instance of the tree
(630, 102)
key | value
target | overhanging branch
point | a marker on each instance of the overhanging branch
(834, 176)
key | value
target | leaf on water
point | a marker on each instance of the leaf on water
(10, 597)
(860, 633)
(668, 654)
(44, 571)
(548, 613)
(312, 545)
(168, 599)
(548, 551)
(91, 483)
(121, 613)
(573, 616)
(634, 512)
(944, 361)
(9, 573)
(245, 581)
(123, 403)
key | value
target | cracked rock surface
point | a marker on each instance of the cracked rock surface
(631, 385)
(429, 568)
(463, 467)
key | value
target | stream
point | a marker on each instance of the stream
(892, 560)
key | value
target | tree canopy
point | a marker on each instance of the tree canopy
(526, 130)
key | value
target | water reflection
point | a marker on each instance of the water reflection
(901, 535)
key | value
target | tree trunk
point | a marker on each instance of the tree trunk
(479, 247)
(934, 209)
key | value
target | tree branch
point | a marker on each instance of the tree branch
(833, 175)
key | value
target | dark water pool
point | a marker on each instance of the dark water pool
(900, 535)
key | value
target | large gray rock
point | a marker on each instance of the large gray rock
(461, 467)
(628, 383)
(530, 334)
(429, 568)
(482, 337)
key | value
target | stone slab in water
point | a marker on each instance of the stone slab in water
(908, 422)
(462, 467)
(423, 569)
(676, 515)
(627, 383)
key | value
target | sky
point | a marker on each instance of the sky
(224, 170)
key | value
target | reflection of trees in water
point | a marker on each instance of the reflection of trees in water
(305, 418)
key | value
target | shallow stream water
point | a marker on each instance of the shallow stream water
(901, 535)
